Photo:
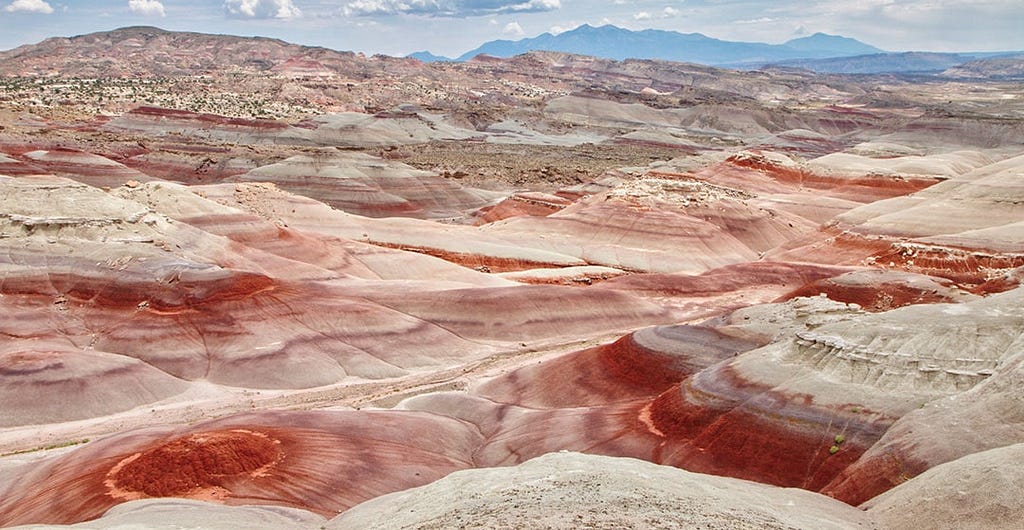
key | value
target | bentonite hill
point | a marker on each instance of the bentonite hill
(245, 283)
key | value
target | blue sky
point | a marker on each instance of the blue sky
(451, 27)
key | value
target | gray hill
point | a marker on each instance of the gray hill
(428, 57)
(878, 63)
(823, 44)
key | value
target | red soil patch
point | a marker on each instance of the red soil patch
(747, 445)
(741, 429)
(869, 478)
(629, 363)
(175, 292)
(322, 462)
(475, 261)
(196, 462)
(869, 189)
(833, 245)
(971, 267)
(676, 417)
(621, 371)
(29, 362)
(521, 205)
(880, 297)
(764, 164)
(997, 285)
(865, 188)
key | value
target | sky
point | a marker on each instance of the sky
(452, 27)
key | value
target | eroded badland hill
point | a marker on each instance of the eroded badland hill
(279, 286)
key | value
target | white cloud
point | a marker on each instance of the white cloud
(261, 9)
(448, 8)
(556, 29)
(668, 12)
(513, 29)
(760, 20)
(146, 8)
(29, 6)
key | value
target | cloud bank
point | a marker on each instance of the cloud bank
(146, 8)
(261, 9)
(29, 6)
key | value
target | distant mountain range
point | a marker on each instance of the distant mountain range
(147, 51)
(613, 42)
(819, 52)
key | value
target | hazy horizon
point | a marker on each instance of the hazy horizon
(452, 27)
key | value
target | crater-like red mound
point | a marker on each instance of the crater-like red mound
(197, 461)
(324, 462)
